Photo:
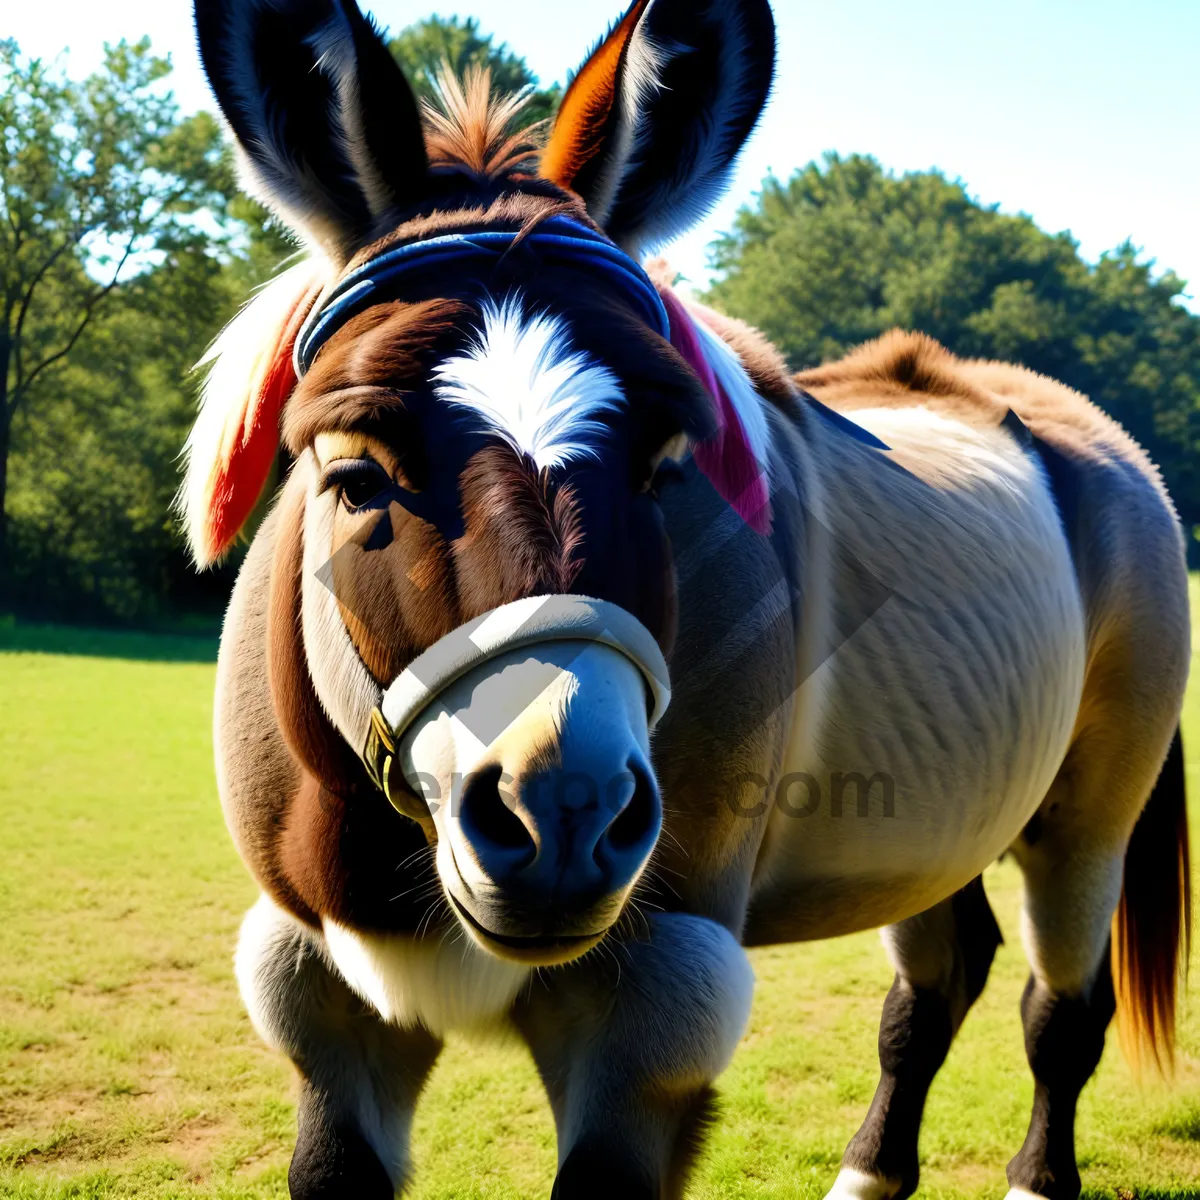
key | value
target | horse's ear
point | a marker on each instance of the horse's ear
(234, 443)
(328, 128)
(650, 126)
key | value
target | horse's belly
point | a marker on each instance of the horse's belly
(878, 819)
(925, 743)
(893, 803)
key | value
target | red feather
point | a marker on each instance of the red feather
(251, 445)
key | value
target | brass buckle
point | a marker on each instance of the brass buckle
(378, 754)
(379, 751)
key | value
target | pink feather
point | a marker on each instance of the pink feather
(726, 458)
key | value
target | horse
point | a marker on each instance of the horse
(572, 600)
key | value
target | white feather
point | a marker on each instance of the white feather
(727, 365)
(237, 364)
(524, 378)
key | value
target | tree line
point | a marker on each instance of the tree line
(125, 245)
(845, 250)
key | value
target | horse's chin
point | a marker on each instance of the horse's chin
(531, 950)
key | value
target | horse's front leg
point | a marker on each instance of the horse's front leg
(360, 1077)
(628, 1042)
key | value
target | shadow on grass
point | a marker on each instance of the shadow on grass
(1136, 1193)
(1184, 1126)
(182, 647)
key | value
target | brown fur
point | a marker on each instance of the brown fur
(902, 369)
(897, 370)
(398, 600)
(262, 773)
(521, 538)
(364, 370)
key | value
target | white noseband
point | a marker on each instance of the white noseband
(532, 621)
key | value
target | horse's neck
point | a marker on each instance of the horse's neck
(752, 606)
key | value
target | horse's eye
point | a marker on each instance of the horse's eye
(666, 473)
(665, 465)
(359, 481)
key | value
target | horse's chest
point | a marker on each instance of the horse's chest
(441, 983)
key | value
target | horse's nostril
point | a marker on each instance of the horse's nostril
(488, 818)
(639, 816)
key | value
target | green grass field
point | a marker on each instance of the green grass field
(127, 1067)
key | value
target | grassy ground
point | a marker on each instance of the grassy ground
(127, 1067)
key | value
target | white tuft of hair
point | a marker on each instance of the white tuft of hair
(523, 377)
(237, 364)
(731, 372)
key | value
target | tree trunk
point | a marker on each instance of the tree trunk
(5, 597)
(5, 432)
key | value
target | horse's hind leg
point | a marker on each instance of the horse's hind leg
(942, 958)
(360, 1076)
(1072, 860)
(1064, 1039)
(628, 1044)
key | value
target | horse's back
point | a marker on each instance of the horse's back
(1122, 532)
(1121, 528)
(1118, 517)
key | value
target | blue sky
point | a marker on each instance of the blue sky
(1083, 113)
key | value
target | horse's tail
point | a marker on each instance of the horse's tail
(1152, 927)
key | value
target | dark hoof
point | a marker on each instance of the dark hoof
(337, 1164)
(1030, 1172)
(596, 1173)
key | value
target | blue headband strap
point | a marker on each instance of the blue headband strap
(558, 240)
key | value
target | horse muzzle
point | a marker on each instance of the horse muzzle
(525, 735)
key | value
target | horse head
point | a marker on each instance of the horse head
(482, 394)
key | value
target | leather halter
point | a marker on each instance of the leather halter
(557, 240)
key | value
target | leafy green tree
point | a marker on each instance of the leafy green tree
(95, 466)
(423, 48)
(127, 246)
(95, 175)
(844, 250)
